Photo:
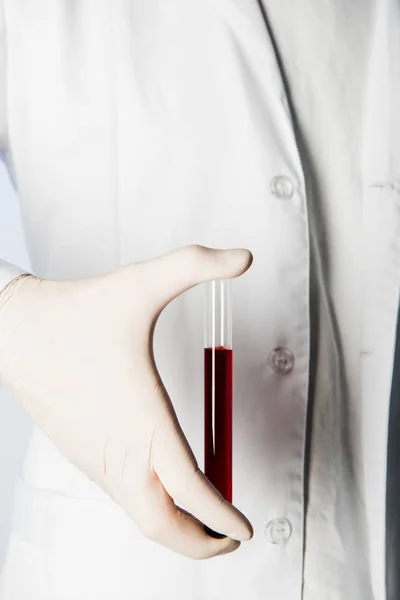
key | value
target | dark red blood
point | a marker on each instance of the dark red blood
(218, 462)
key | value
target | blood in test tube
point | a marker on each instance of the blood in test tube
(218, 418)
(218, 376)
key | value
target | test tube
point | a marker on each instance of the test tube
(218, 362)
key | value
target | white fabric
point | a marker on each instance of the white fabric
(327, 80)
(134, 128)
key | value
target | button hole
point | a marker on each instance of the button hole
(386, 185)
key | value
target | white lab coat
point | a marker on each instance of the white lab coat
(131, 128)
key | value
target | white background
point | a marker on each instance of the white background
(14, 424)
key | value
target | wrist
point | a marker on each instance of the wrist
(10, 288)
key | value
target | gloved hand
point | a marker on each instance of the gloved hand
(78, 355)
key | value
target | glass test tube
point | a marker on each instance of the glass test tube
(218, 362)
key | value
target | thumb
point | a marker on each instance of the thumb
(175, 272)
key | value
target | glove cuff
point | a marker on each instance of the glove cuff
(8, 272)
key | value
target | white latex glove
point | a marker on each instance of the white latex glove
(78, 355)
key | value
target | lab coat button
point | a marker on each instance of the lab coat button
(278, 531)
(281, 360)
(282, 187)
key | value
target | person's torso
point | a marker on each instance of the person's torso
(134, 128)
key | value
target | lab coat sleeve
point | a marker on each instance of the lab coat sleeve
(3, 79)
(7, 271)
